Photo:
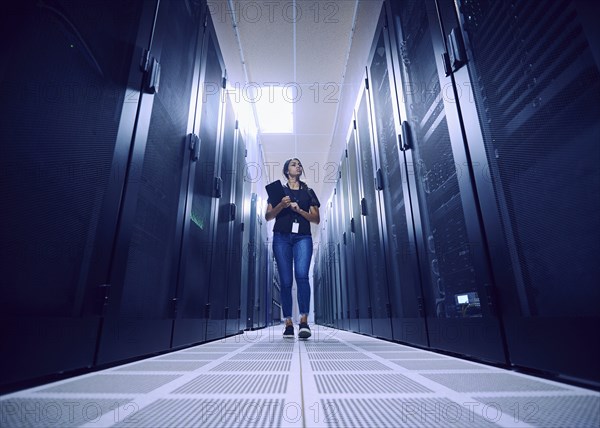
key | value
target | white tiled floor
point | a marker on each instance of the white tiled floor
(335, 379)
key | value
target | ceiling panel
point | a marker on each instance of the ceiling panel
(267, 41)
(314, 113)
(323, 40)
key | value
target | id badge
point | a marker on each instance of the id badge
(295, 227)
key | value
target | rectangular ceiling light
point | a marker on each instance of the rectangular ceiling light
(275, 109)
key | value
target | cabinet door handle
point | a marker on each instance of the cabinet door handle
(379, 179)
(405, 137)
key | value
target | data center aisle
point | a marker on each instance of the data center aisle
(335, 379)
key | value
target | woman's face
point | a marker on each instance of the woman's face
(295, 168)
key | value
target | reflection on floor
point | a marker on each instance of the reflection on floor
(335, 379)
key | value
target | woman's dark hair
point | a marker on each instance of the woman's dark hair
(285, 171)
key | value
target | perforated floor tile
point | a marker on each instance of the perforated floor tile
(262, 356)
(348, 366)
(337, 356)
(235, 384)
(410, 412)
(61, 412)
(208, 413)
(367, 383)
(113, 383)
(478, 382)
(335, 379)
(253, 366)
(538, 410)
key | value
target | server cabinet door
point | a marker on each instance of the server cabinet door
(534, 130)
(69, 93)
(340, 254)
(221, 269)
(146, 260)
(334, 254)
(456, 277)
(199, 223)
(265, 274)
(351, 307)
(236, 261)
(370, 221)
(408, 321)
(248, 177)
(358, 241)
(252, 254)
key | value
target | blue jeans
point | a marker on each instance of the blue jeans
(292, 254)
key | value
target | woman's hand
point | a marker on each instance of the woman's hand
(286, 201)
(295, 207)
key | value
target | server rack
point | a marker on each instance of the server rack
(220, 270)
(392, 183)
(455, 271)
(253, 266)
(532, 73)
(66, 132)
(204, 186)
(341, 319)
(362, 285)
(347, 235)
(144, 266)
(236, 260)
(368, 220)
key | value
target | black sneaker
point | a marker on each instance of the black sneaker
(304, 332)
(288, 333)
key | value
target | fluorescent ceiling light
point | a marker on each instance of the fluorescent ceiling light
(275, 109)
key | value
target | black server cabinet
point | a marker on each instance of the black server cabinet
(457, 284)
(348, 243)
(69, 96)
(258, 254)
(222, 271)
(329, 256)
(370, 219)
(530, 86)
(274, 291)
(401, 263)
(146, 257)
(343, 249)
(203, 188)
(246, 227)
(361, 273)
(340, 257)
(320, 280)
(333, 248)
(316, 293)
(265, 273)
(251, 252)
(343, 262)
(236, 260)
